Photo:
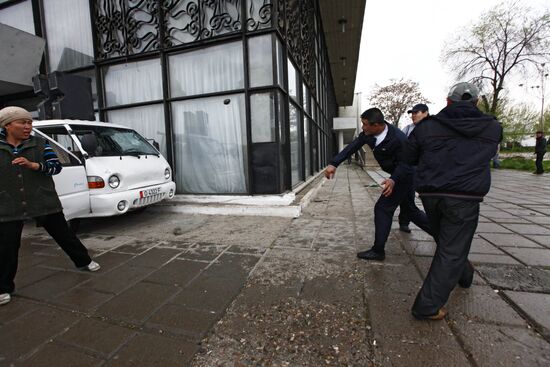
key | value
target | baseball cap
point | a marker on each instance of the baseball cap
(463, 92)
(418, 107)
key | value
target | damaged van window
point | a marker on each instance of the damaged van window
(112, 141)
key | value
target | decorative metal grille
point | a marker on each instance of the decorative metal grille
(189, 21)
(126, 27)
(259, 14)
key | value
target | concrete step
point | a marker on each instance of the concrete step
(287, 205)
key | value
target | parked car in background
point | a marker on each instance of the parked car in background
(108, 169)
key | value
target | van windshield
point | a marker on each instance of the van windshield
(113, 141)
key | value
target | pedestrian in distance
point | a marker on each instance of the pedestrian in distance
(419, 112)
(386, 141)
(452, 151)
(540, 150)
(27, 191)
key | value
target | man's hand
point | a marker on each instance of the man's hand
(330, 171)
(388, 185)
(22, 161)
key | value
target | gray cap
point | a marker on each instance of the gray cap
(463, 92)
(12, 113)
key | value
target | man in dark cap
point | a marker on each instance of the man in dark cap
(418, 113)
(451, 151)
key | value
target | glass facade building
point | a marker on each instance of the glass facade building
(238, 93)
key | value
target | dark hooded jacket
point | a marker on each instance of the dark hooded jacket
(452, 151)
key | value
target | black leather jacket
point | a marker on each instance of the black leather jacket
(387, 153)
(452, 151)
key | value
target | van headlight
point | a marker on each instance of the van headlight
(167, 173)
(114, 181)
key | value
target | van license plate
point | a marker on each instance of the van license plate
(149, 192)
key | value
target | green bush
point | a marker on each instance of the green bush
(523, 164)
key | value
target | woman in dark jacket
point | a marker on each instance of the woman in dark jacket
(27, 191)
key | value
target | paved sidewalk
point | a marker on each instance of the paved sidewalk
(198, 290)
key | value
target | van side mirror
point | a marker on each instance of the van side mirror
(154, 143)
(89, 143)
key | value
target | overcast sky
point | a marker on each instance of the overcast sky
(404, 39)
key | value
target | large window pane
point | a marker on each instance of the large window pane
(146, 120)
(307, 147)
(69, 33)
(210, 145)
(132, 83)
(292, 81)
(280, 63)
(260, 61)
(295, 146)
(213, 69)
(19, 16)
(262, 115)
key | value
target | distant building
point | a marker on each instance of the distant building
(240, 94)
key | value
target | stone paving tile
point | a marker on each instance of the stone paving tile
(118, 279)
(57, 355)
(492, 228)
(204, 251)
(153, 350)
(26, 277)
(177, 272)
(542, 240)
(491, 259)
(481, 304)
(137, 303)
(531, 256)
(482, 246)
(209, 293)
(110, 260)
(501, 345)
(509, 240)
(52, 286)
(516, 278)
(18, 308)
(183, 321)
(154, 258)
(22, 336)
(528, 229)
(535, 305)
(82, 299)
(98, 336)
(233, 265)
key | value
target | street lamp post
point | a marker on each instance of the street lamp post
(543, 76)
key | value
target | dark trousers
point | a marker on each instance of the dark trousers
(10, 242)
(403, 217)
(454, 223)
(538, 162)
(403, 195)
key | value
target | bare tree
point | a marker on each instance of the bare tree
(509, 38)
(396, 98)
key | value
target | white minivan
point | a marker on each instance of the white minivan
(108, 169)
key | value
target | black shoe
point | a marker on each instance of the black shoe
(371, 255)
(440, 315)
(405, 229)
(467, 276)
